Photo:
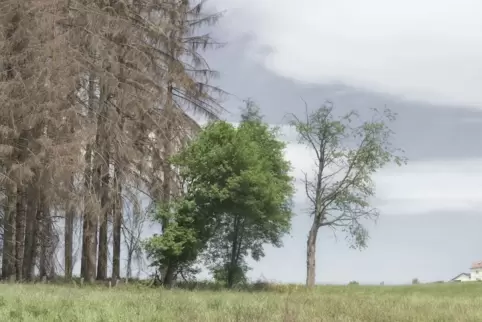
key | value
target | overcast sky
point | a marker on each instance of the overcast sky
(422, 59)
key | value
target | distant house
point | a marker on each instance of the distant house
(462, 277)
(474, 275)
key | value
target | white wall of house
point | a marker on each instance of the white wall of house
(476, 274)
(462, 278)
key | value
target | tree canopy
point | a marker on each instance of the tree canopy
(237, 198)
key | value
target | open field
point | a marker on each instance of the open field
(437, 302)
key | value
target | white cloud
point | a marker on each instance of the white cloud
(428, 50)
(416, 188)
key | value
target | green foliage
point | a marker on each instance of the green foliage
(348, 151)
(182, 239)
(238, 273)
(237, 197)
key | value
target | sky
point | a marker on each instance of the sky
(422, 60)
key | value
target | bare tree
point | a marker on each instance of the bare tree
(132, 228)
(347, 151)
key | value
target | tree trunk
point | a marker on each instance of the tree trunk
(69, 234)
(20, 232)
(169, 276)
(236, 247)
(45, 238)
(165, 197)
(311, 256)
(85, 241)
(117, 214)
(117, 208)
(8, 267)
(106, 208)
(102, 180)
(233, 261)
(130, 254)
(89, 229)
(30, 249)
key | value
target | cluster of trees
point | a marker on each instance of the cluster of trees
(94, 101)
(236, 194)
(236, 197)
(94, 97)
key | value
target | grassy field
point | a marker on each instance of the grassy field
(436, 302)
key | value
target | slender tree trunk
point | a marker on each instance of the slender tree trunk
(85, 243)
(8, 258)
(103, 229)
(87, 211)
(30, 231)
(22, 144)
(45, 237)
(311, 256)
(69, 235)
(89, 227)
(130, 254)
(117, 184)
(117, 214)
(69, 227)
(168, 271)
(20, 232)
(102, 180)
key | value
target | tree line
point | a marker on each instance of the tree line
(97, 99)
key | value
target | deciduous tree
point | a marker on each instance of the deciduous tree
(347, 152)
(236, 198)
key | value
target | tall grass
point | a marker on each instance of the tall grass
(437, 302)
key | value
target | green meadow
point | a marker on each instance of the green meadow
(429, 302)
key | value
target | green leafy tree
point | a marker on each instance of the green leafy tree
(347, 152)
(177, 248)
(237, 199)
(258, 211)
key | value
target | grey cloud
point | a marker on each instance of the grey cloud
(425, 131)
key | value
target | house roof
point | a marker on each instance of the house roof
(461, 274)
(477, 265)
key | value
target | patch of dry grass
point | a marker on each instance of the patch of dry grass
(441, 302)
